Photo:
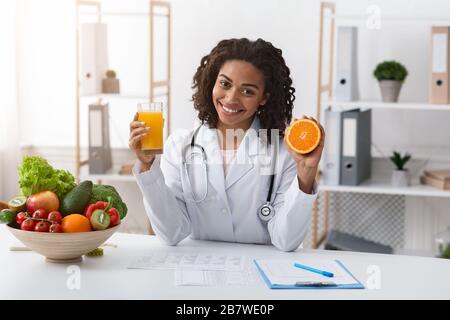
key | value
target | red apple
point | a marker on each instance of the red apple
(46, 200)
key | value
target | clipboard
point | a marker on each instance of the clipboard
(302, 279)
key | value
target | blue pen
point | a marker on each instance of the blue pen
(325, 273)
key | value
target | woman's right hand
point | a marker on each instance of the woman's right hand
(138, 131)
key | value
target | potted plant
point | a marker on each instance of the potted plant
(442, 240)
(390, 76)
(400, 176)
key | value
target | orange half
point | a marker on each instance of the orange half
(303, 136)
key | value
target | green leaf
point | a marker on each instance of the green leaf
(36, 175)
(390, 70)
(399, 160)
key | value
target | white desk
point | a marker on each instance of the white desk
(26, 275)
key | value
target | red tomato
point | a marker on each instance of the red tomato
(21, 217)
(55, 216)
(28, 224)
(55, 228)
(114, 217)
(42, 226)
(40, 214)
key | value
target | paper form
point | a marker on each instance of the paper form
(187, 277)
(189, 261)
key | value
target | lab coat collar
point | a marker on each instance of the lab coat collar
(241, 165)
(207, 138)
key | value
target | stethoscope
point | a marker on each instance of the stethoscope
(265, 212)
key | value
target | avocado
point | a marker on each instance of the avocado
(76, 199)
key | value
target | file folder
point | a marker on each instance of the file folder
(346, 81)
(281, 274)
(440, 59)
(93, 57)
(356, 136)
(100, 158)
(332, 155)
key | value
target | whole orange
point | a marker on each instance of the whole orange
(75, 223)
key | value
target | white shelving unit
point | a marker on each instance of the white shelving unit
(380, 186)
(384, 187)
(158, 88)
(108, 177)
(343, 105)
(111, 96)
(374, 185)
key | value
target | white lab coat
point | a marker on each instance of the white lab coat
(229, 211)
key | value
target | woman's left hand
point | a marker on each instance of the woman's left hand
(307, 164)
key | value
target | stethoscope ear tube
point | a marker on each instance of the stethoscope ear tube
(186, 162)
(267, 211)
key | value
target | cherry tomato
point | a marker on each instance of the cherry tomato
(42, 226)
(55, 216)
(21, 217)
(40, 214)
(28, 224)
(55, 228)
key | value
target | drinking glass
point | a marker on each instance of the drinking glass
(152, 114)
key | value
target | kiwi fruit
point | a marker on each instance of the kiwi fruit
(18, 203)
(100, 220)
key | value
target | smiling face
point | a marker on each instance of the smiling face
(237, 94)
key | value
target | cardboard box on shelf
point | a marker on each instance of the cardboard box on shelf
(438, 174)
(437, 178)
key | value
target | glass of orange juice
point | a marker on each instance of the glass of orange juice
(152, 114)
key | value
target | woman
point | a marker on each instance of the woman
(240, 88)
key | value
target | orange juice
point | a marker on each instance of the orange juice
(153, 141)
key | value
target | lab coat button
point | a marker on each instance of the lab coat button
(224, 211)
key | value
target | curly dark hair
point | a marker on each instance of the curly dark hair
(277, 111)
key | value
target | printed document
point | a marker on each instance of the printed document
(189, 261)
(187, 277)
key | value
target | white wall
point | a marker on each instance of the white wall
(199, 25)
(46, 72)
(47, 56)
(9, 121)
(47, 63)
(409, 43)
(293, 26)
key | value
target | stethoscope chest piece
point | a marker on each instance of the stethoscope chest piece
(266, 212)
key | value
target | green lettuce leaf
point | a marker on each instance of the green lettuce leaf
(36, 175)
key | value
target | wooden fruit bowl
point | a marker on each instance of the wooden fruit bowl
(62, 247)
